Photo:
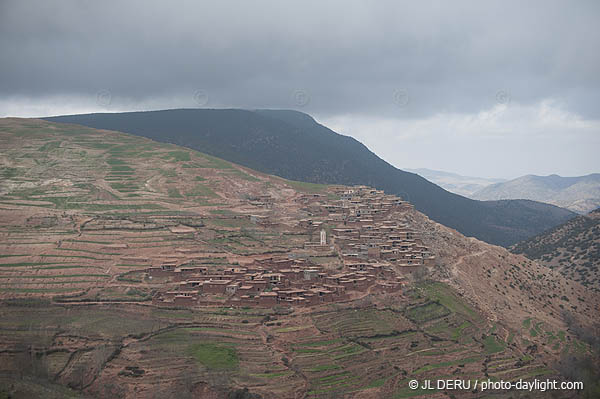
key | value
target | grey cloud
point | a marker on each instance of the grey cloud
(347, 56)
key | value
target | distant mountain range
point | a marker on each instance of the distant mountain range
(579, 194)
(573, 248)
(455, 183)
(293, 145)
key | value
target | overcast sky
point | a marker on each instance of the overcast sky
(481, 88)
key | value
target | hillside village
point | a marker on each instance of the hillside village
(214, 202)
(360, 224)
(128, 266)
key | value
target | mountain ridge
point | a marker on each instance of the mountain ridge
(580, 194)
(293, 145)
(454, 182)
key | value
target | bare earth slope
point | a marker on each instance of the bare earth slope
(573, 249)
(505, 286)
(85, 214)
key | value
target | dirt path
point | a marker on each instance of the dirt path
(464, 277)
(274, 346)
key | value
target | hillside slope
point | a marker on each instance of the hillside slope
(573, 248)
(84, 213)
(292, 145)
(580, 194)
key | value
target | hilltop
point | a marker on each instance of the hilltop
(87, 216)
(580, 194)
(293, 145)
(572, 248)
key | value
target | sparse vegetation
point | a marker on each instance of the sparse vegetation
(77, 297)
(215, 357)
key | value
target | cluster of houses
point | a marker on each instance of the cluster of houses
(367, 227)
(359, 225)
(270, 282)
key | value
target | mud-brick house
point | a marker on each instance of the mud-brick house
(338, 290)
(186, 299)
(336, 278)
(164, 297)
(296, 301)
(189, 270)
(349, 232)
(189, 273)
(311, 274)
(365, 224)
(163, 270)
(291, 274)
(279, 264)
(235, 271)
(387, 272)
(245, 290)
(362, 283)
(354, 283)
(350, 256)
(323, 294)
(258, 286)
(215, 286)
(290, 293)
(193, 285)
(346, 195)
(232, 288)
(311, 299)
(170, 294)
(305, 223)
(374, 252)
(347, 283)
(276, 279)
(267, 299)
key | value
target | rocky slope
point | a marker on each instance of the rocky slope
(573, 249)
(506, 286)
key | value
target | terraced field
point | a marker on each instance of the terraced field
(79, 209)
(350, 350)
(84, 213)
(109, 348)
(376, 351)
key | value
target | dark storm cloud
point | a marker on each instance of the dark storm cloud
(374, 58)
